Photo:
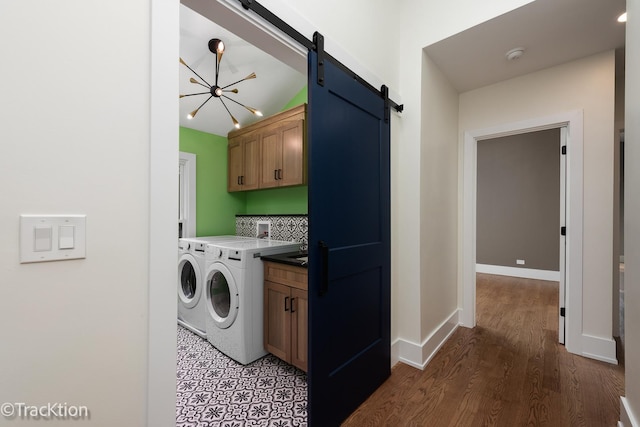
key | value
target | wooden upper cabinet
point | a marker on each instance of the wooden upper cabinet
(271, 157)
(243, 162)
(280, 152)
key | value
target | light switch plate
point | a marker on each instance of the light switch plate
(52, 237)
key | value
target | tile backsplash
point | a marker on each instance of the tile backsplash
(283, 227)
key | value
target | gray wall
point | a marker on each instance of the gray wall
(518, 204)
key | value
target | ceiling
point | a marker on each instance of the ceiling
(276, 83)
(550, 31)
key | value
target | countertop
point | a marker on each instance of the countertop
(297, 258)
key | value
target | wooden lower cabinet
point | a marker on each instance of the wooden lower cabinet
(286, 313)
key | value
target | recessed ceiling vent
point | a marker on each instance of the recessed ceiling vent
(514, 54)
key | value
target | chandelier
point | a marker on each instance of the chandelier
(216, 46)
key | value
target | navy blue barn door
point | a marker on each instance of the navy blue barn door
(349, 244)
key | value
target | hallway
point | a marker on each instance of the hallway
(508, 371)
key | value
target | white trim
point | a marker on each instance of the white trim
(188, 161)
(627, 418)
(395, 352)
(163, 205)
(574, 208)
(562, 240)
(526, 273)
(419, 355)
(603, 349)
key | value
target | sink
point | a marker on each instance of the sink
(303, 258)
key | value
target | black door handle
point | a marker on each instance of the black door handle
(291, 305)
(324, 269)
(286, 300)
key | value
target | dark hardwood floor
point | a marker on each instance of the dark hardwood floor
(508, 371)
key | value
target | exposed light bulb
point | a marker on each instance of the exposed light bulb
(220, 46)
(258, 113)
(623, 17)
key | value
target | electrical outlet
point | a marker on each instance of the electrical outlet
(520, 261)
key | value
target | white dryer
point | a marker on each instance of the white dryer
(191, 269)
(234, 295)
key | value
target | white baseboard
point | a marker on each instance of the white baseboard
(525, 273)
(395, 352)
(419, 355)
(627, 419)
(603, 349)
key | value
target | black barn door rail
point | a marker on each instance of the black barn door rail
(316, 45)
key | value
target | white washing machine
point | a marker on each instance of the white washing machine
(191, 269)
(234, 296)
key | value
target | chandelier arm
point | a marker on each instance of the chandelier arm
(225, 106)
(230, 99)
(201, 105)
(192, 70)
(241, 80)
(194, 81)
(218, 60)
(193, 94)
(233, 119)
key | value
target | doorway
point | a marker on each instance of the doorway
(572, 121)
(520, 208)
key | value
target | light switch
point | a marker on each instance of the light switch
(52, 237)
(42, 238)
(66, 236)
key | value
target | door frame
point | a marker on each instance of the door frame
(163, 153)
(573, 121)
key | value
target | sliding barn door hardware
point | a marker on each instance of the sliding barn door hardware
(316, 45)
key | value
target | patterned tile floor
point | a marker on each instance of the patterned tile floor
(215, 391)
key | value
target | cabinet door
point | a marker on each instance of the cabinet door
(277, 320)
(292, 137)
(299, 325)
(251, 148)
(271, 157)
(235, 164)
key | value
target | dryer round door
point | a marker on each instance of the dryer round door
(221, 295)
(189, 281)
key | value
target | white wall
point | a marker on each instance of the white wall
(425, 271)
(588, 85)
(632, 215)
(438, 203)
(75, 139)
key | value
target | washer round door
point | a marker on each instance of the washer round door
(221, 295)
(189, 281)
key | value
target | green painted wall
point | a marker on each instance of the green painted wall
(215, 207)
(288, 200)
(300, 98)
